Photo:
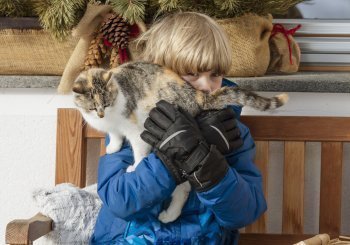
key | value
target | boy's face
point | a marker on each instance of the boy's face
(208, 81)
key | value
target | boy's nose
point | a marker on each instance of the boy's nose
(205, 84)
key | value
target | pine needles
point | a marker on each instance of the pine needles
(59, 16)
(135, 10)
(16, 8)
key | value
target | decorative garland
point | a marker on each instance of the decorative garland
(61, 16)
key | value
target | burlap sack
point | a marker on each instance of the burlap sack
(33, 52)
(249, 38)
(93, 16)
(285, 54)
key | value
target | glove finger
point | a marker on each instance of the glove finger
(153, 128)
(149, 138)
(159, 118)
(167, 109)
(229, 124)
(235, 144)
(226, 114)
(233, 134)
(188, 116)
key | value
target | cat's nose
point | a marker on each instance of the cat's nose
(101, 114)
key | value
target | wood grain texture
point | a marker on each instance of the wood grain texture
(93, 133)
(298, 128)
(25, 231)
(331, 187)
(293, 187)
(324, 68)
(102, 147)
(70, 148)
(272, 239)
(19, 23)
(261, 160)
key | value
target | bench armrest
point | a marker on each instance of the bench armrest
(25, 231)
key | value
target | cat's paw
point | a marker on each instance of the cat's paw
(166, 216)
(131, 168)
(113, 147)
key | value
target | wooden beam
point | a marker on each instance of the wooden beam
(298, 128)
(293, 187)
(70, 148)
(331, 187)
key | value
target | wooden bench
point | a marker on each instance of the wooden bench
(295, 131)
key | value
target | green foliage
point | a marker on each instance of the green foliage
(131, 10)
(135, 10)
(59, 16)
(16, 8)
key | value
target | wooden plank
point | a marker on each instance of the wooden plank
(70, 148)
(305, 67)
(93, 133)
(331, 182)
(271, 239)
(293, 188)
(19, 23)
(298, 128)
(102, 147)
(25, 231)
(261, 160)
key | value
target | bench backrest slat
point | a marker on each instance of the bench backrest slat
(72, 135)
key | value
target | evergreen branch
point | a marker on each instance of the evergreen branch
(131, 10)
(15, 8)
(227, 5)
(59, 16)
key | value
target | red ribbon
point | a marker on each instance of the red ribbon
(279, 28)
(123, 54)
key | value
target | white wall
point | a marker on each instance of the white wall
(27, 149)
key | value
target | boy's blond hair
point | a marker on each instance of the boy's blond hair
(187, 42)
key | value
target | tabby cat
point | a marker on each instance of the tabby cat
(118, 101)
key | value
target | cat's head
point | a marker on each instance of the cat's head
(94, 91)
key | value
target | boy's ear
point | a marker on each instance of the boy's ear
(79, 87)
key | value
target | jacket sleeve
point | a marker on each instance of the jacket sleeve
(237, 200)
(128, 194)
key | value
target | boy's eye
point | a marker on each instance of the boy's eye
(216, 74)
(192, 74)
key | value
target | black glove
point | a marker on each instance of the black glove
(179, 143)
(219, 127)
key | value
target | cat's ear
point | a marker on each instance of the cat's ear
(106, 76)
(79, 87)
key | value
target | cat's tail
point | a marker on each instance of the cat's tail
(242, 97)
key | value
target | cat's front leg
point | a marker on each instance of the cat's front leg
(115, 142)
(140, 149)
(179, 198)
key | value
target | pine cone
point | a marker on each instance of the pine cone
(96, 53)
(114, 61)
(115, 30)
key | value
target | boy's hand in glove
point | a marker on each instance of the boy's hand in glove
(179, 143)
(219, 128)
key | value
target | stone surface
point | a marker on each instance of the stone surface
(322, 82)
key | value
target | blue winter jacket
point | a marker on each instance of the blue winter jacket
(132, 201)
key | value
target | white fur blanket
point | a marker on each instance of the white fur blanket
(73, 210)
